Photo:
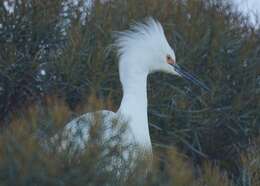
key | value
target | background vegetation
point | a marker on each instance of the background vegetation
(61, 49)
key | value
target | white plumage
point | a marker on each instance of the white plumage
(142, 49)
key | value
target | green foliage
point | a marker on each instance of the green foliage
(28, 37)
(210, 38)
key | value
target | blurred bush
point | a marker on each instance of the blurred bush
(28, 157)
(59, 47)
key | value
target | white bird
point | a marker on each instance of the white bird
(143, 49)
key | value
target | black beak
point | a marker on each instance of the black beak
(183, 73)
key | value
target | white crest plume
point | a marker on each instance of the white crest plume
(147, 35)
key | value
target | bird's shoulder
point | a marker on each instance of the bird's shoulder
(76, 132)
(87, 119)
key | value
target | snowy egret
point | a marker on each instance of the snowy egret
(142, 49)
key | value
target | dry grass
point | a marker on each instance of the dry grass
(25, 160)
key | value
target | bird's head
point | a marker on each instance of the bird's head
(144, 49)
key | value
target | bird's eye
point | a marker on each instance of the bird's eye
(170, 60)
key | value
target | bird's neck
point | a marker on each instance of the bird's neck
(134, 104)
